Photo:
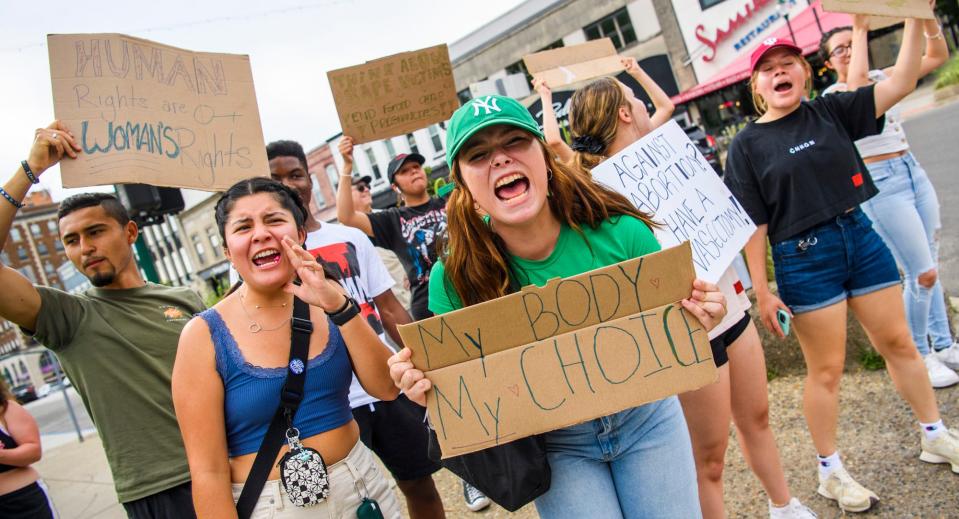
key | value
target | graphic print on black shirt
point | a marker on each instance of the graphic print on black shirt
(342, 260)
(411, 232)
(803, 169)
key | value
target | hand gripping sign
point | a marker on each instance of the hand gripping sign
(573, 350)
(149, 113)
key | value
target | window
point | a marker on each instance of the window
(48, 267)
(214, 238)
(412, 142)
(435, 136)
(4, 258)
(42, 249)
(389, 148)
(34, 229)
(58, 245)
(706, 4)
(617, 26)
(15, 234)
(27, 272)
(198, 246)
(318, 193)
(21, 252)
(52, 226)
(376, 169)
(464, 97)
(333, 175)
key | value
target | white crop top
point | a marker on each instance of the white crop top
(892, 138)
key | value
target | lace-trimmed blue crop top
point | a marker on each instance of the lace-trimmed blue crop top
(252, 393)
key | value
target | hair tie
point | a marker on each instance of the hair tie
(588, 144)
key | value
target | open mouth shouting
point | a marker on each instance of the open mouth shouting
(782, 86)
(266, 258)
(512, 188)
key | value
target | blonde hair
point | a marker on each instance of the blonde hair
(594, 112)
(759, 103)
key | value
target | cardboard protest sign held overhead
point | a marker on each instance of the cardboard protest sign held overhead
(149, 113)
(898, 9)
(575, 349)
(666, 176)
(394, 95)
(567, 65)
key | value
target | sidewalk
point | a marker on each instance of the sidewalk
(79, 479)
(923, 100)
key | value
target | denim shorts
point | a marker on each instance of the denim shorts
(841, 258)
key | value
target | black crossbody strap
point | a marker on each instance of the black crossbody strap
(290, 397)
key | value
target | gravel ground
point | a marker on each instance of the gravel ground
(877, 435)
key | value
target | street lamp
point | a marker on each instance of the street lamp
(781, 8)
(815, 15)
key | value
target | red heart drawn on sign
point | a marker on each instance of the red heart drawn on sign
(514, 388)
(654, 282)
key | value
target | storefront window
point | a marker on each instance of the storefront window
(706, 4)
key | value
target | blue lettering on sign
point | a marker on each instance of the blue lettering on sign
(756, 31)
(152, 138)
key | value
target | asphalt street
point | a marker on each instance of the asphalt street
(52, 416)
(934, 137)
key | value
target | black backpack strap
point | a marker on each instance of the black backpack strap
(290, 397)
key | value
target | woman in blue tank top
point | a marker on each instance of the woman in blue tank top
(231, 366)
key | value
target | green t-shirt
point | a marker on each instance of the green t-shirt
(118, 347)
(618, 239)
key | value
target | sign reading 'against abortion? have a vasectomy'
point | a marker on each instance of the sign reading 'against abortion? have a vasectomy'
(666, 176)
(149, 113)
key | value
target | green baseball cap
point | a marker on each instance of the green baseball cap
(482, 112)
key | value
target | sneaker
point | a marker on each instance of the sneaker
(851, 496)
(475, 500)
(950, 356)
(939, 375)
(944, 449)
(793, 510)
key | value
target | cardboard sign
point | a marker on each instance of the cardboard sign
(567, 65)
(888, 8)
(394, 95)
(575, 349)
(666, 176)
(149, 113)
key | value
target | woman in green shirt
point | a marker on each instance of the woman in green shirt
(546, 221)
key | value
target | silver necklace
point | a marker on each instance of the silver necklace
(254, 326)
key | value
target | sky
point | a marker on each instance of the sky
(291, 44)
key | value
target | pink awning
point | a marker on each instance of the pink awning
(807, 36)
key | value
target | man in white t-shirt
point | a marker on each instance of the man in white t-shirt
(394, 430)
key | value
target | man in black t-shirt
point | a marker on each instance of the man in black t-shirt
(411, 230)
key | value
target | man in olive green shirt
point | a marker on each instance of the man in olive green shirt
(116, 341)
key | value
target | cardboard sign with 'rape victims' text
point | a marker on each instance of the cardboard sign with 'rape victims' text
(394, 95)
(573, 350)
(149, 113)
(567, 65)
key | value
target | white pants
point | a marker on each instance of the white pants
(351, 479)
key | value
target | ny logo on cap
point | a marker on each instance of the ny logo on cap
(769, 42)
(488, 104)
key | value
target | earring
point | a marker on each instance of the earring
(549, 177)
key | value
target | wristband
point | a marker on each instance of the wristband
(937, 36)
(10, 199)
(26, 169)
(348, 311)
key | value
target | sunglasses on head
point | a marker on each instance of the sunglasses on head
(361, 187)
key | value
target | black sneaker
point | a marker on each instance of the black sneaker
(475, 500)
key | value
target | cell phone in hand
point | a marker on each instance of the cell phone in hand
(784, 320)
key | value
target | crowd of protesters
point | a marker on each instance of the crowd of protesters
(274, 402)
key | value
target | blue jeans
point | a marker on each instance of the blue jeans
(634, 464)
(905, 213)
(831, 262)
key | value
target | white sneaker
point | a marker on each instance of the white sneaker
(939, 375)
(944, 449)
(475, 500)
(950, 356)
(793, 510)
(851, 496)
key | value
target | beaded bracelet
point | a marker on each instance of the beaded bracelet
(26, 169)
(10, 199)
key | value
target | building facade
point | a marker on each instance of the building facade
(204, 248)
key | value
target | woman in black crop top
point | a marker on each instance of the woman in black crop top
(22, 493)
(798, 175)
(231, 364)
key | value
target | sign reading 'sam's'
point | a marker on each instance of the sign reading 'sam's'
(149, 113)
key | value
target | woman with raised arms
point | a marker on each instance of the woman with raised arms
(605, 119)
(546, 221)
(232, 363)
(796, 172)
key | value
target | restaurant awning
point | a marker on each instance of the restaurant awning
(807, 34)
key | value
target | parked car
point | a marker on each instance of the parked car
(707, 146)
(25, 393)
